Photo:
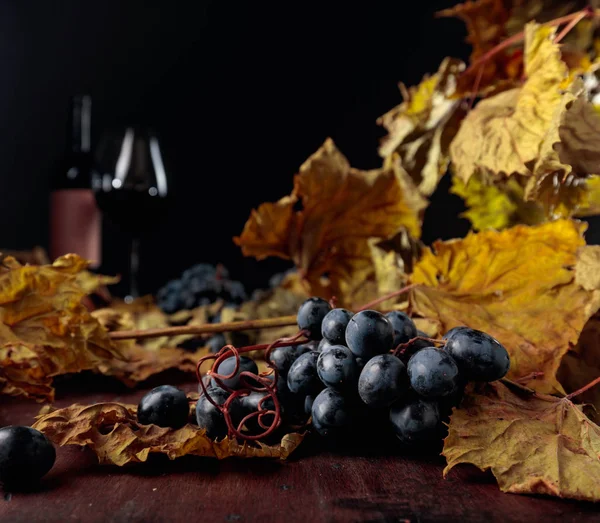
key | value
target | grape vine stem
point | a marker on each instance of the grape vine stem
(212, 328)
(583, 389)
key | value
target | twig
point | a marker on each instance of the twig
(583, 389)
(212, 328)
(516, 38)
(389, 296)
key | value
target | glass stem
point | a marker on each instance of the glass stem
(134, 265)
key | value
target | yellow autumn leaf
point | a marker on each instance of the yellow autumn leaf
(327, 220)
(112, 432)
(496, 204)
(421, 128)
(502, 136)
(532, 443)
(45, 330)
(518, 285)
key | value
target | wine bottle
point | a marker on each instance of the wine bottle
(75, 220)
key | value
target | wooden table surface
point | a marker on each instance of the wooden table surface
(372, 485)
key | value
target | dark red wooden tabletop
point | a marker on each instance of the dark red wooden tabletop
(312, 486)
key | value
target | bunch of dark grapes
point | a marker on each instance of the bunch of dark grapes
(349, 376)
(354, 375)
(200, 285)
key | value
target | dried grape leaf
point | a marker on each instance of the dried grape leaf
(533, 444)
(421, 128)
(45, 330)
(111, 430)
(519, 285)
(504, 133)
(496, 204)
(332, 212)
(142, 363)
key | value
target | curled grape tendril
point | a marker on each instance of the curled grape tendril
(267, 419)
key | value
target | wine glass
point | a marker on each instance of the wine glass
(131, 187)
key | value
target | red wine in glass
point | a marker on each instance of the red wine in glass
(131, 187)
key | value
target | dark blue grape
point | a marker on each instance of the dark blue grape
(227, 366)
(168, 298)
(252, 403)
(308, 403)
(478, 356)
(332, 414)
(337, 368)
(453, 330)
(382, 381)
(310, 316)
(234, 292)
(324, 345)
(414, 347)
(334, 326)
(404, 327)
(211, 418)
(283, 357)
(165, 406)
(216, 342)
(302, 377)
(200, 271)
(369, 333)
(26, 455)
(432, 373)
(415, 422)
(292, 404)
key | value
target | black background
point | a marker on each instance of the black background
(241, 92)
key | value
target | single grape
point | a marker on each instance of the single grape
(415, 422)
(303, 377)
(432, 373)
(292, 405)
(227, 366)
(310, 316)
(478, 356)
(283, 357)
(165, 406)
(308, 403)
(382, 381)
(454, 330)
(414, 347)
(216, 342)
(252, 403)
(332, 414)
(334, 326)
(26, 455)
(337, 368)
(447, 403)
(404, 327)
(324, 345)
(211, 418)
(167, 297)
(369, 333)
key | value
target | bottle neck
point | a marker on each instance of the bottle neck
(80, 125)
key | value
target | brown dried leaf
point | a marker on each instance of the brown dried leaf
(423, 125)
(111, 430)
(45, 330)
(338, 208)
(502, 136)
(533, 444)
(519, 285)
